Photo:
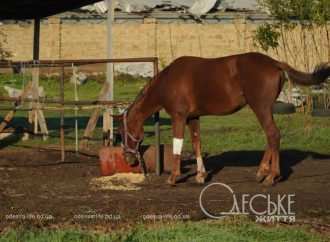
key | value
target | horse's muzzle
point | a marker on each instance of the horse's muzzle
(131, 159)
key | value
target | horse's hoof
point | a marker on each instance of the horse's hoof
(260, 176)
(171, 180)
(269, 181)
(200, 177)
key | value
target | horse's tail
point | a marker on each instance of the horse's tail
(318, 76)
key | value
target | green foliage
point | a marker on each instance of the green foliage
(277, 8)
(212, 231)
(287, 14)
(300, 10)
(266, 37)
(321, 10)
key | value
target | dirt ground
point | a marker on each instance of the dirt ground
(36, 189)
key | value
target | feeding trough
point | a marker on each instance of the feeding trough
(112, 160)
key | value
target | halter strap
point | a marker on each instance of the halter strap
(127, 135)
(134, 151)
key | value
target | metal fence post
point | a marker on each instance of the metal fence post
(62, 115)
(157, 130)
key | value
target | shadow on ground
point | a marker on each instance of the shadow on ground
(215, 163)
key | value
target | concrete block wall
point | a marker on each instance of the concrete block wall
(83, 39)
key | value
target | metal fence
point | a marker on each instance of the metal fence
(38, 104)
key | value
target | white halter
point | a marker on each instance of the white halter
(127, 135)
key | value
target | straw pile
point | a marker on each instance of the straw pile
(118, 182)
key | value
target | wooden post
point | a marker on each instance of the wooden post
(36, 116)
(157, 131)
(94, 117)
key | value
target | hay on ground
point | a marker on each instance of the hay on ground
(118, 182)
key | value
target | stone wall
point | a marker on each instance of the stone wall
(73, 39)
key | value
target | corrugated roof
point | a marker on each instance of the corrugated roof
(196, 7)
(251, 5)
(220, 4)
(25, 9)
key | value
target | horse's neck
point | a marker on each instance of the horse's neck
(144, 107)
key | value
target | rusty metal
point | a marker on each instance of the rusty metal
(61, 102)
(68, 63)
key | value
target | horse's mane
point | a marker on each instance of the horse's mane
(141, 93)
(146, 87)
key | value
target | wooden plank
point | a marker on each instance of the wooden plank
(38, 117)
(35, 95)
(107, 139)
(90, 127)
(94, 117)
(10, 114)
(73, 103)
(42, 123)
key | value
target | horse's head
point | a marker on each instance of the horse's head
(130, 138)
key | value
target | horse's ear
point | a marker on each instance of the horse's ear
(117, 117)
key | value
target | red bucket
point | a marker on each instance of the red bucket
(112, 161)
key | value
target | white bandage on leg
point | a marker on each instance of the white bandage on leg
(177, 146)
(200, 164)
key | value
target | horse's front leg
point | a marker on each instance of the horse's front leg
(194, 127)
(178, 126)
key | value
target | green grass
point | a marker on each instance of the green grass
(240, 131)
(211, 231)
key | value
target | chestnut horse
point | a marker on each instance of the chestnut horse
(191, 87)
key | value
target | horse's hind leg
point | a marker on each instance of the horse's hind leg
(269, 166)
(194, 128)
(264, 167)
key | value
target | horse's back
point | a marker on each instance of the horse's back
(213, 85)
